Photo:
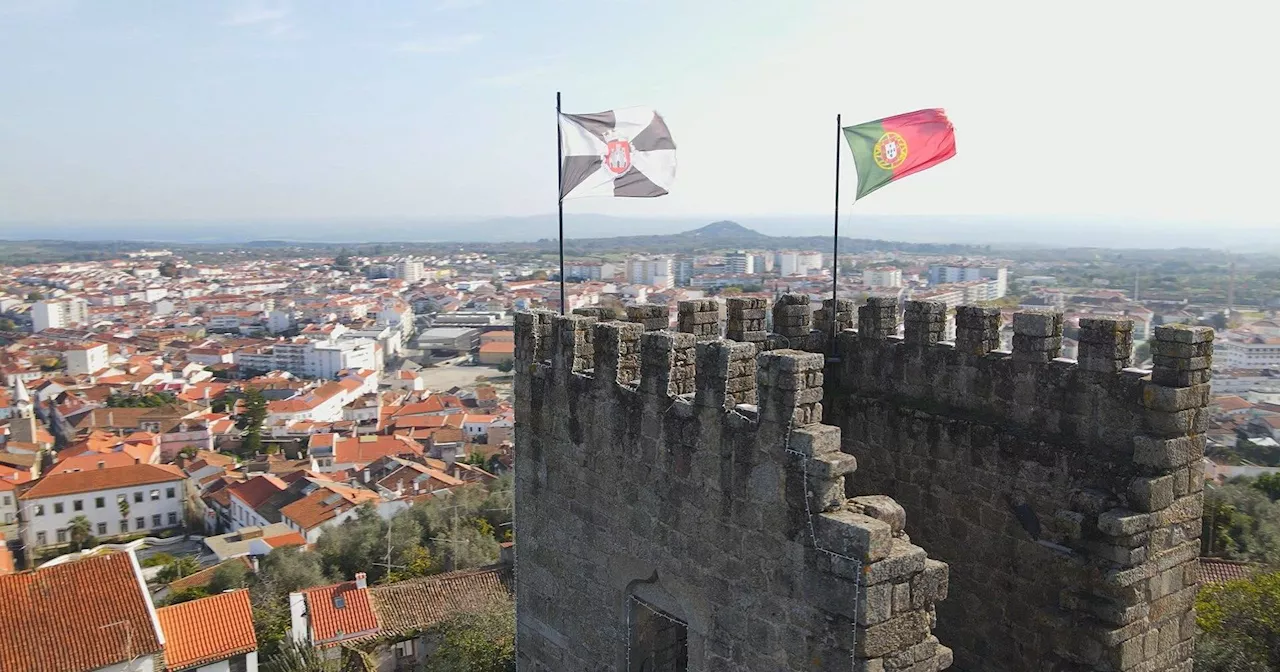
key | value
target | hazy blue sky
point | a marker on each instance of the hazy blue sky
(127, 109)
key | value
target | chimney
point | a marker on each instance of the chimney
(254, 559)
(361, 583)
(102, 465)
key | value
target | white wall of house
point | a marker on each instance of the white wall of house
(145, 664)
(86, 361)
(250, 659)
(160, 508)
(242, 515)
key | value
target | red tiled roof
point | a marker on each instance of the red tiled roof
(409, 606)
(1214, 570)
(257, 490)
(75, 617)
(54, 485)
(365, 449)
(207, 630)
(331, 622)
(498, 347)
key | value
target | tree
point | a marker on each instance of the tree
(186, 595)
(123, 505)
(7, 324)
(506, 365)
(228, 576)
(418, 563)
(169, 269)
(189, 452)
(81, 531)
(343, 260)
(1269, 485)
(360, 544)
(35, 296)
(1218, 320)
(183, 565)
(300, 657)
(1240, 522)
(251, 419)
(1239, 627)
(482, 640)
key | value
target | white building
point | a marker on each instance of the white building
(652, 271)
(886, 276)
(589, 270)
(86, 359)
(153, 494)
(741, 263)
(409, 270)
(281, 320)
(59, 314)
(791, 263)
(1251, 353)
(941, 274)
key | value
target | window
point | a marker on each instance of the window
(99, 502)
(124, 526)
(7, 501)
(238, 664)
(137, 496)
(57, 507)
(155, 494)
(39, 509)
(62, 536)
(140, 522)
(78, 505)
(102, 528)
(8, 518)
(41, 539)
(168, 493)
(173, 518)
(155, 520)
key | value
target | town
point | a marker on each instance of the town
(316, 451)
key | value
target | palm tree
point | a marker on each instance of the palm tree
(183, 565)
(80, 531)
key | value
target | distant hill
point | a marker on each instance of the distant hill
(727, 235)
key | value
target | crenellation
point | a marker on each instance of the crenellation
(878, 318)
(1071, 485)
(726, 374)
(617, 351)
(598, 312)
(700, 317)
(667, 361)
(670, 491)
(1106, 344)
(1084, 469)
(575, 351)
(1037, 336)
(792, 320)
(924, 322)
(821, 334)
(652, 317)
(746, 319)
(977, 330)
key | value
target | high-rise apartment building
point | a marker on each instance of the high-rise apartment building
(882, 277)
(409, 270)
(791, 262)
(941, 274)
(59, 314)
(684, 270)
(652, 271)
(741, 263)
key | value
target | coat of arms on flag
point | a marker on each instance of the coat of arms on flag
(624, 153)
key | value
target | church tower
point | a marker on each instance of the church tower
(22, 425)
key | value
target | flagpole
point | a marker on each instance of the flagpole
(835, 246)
(560, 197)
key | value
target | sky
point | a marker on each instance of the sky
(159, 110)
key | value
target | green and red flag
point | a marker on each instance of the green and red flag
(892, 148)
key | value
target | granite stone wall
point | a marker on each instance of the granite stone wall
(763, 503)
(1065, 496)
(680, 503)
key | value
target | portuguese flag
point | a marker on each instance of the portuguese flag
(892, 148)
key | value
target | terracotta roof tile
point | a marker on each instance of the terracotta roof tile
(204, 576)
(258, 489)
(75, 617)
(340, 611)
(207, 630)
(54, 485)
(406, 606)
(1214, 570)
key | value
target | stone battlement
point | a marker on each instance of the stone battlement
(1064, 494)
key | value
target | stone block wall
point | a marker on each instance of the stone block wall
(1065, 496)
(681, 500)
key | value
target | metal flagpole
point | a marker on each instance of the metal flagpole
(835, 245)
(560, 197)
